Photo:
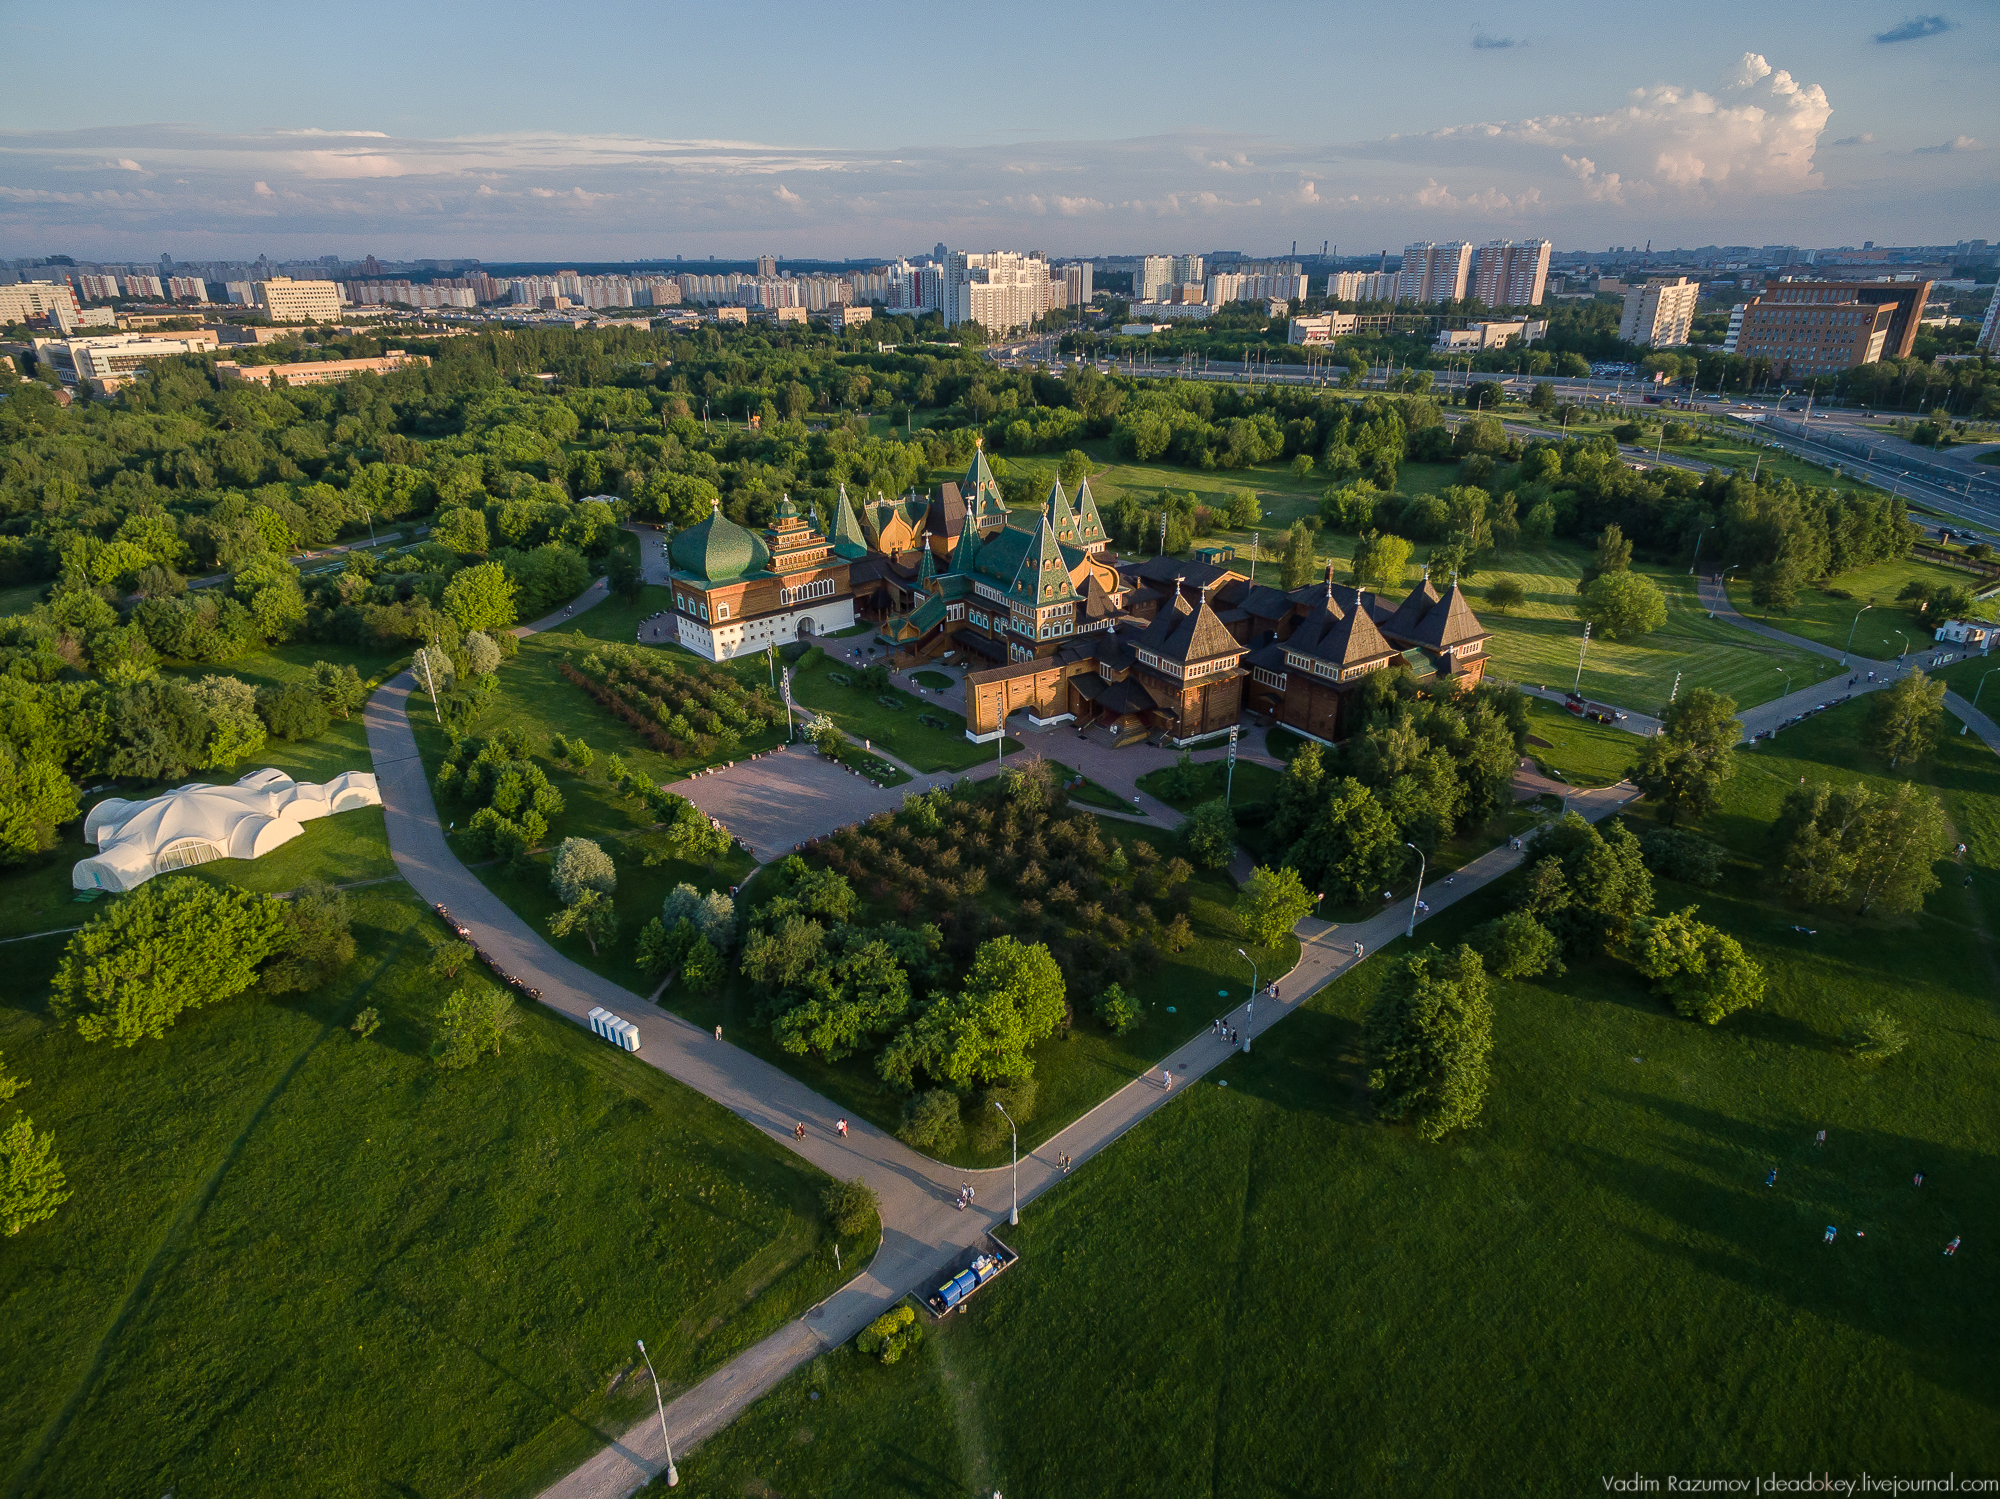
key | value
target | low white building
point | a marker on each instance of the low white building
(1966, 632)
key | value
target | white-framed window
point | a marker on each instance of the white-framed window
(1269, 678)
(818, 588)
(704, 608)
(954, 612)
(1473, 648)
(722, 611)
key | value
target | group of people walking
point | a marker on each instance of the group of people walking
(1833, 1230)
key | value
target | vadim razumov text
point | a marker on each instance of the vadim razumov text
(1810, 1483)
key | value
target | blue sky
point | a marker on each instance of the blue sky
(604, 130)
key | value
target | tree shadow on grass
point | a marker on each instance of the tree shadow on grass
(1318, 1068)
(1883, 1276)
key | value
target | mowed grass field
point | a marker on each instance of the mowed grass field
(1537, 642)
(1263, 1291)
(1869, 614)
(301, 1262)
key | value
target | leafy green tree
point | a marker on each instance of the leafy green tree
(580, 865)
(472, 1019)
(1299, 796)
(1274, 901)
(1209, 835)
(35, 799)
(1613, 555)
(1300, 562)
(1381, 561)
(293, 711)
(1875, 1036)
(463, 530)
(1683, 767)
(481, 654)
(1505, 594)
(1903, 722)
(1075, 468)
(32, 1184)
(481, 598)
(1703, 972)
(1587, 886)
(1119, 1011)
(1245, 512)
(158, 731)
(448, 957)
(703, 969)
(714, 913)
(933, 1122)
(1428, 1039)
(848, 1003)
(235, 732)
(591, 916)
(1351, 850)
(367, 1022)
(319, 923)
(1516, 946)
(891, 1335)
(1013, 999)
(9, 1084)
(174, 944)
(1623, 605)
(1851, 846)
(850, 1207)
(622, 575)
(340, 687)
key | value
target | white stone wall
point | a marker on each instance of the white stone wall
(726, 639)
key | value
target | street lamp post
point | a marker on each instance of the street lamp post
(1962, 728)
(1249, 1009)
(1788, 679)
(1846, 649)
(1697, 548)
(1417, 899)
(1906, 643)
(673, 1478)
(1014, 1216)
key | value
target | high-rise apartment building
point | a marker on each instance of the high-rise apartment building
(1184, 268)
(1151, 276)
(1077, 290)
(1659, 314)
(289, 301)
(34, 299)
(767, 267)
(1989, 331)
(1362, 286)
(187, 289)
(1254, 286)
(1434, 272)
(1735, 333)
(1507, 274)
(95, 288)
(144, 286)
(999, 289)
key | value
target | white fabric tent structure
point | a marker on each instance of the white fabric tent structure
(195, 823)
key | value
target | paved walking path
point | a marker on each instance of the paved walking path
(922, 1230)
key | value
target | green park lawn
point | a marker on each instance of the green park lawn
(937, 681)
(1075, 1070)
(301, 1262)
(1582, 754)
(1594, 1281)
(1831, 619)
(898, 731)
(1536, 643)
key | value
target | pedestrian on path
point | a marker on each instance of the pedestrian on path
(841, 1125)
(1917, 1180)
(1820, 1138)
(1167, 1079)
(1831, 1233)
(801, 1130)
(960, 1204)
(1357, 949)
(1065, 1163)
(718, 1033)
(1952, 1247)
(1772, 1179)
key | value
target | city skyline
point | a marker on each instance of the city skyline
(1732, 129)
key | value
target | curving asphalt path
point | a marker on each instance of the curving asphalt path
(923, 1232)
